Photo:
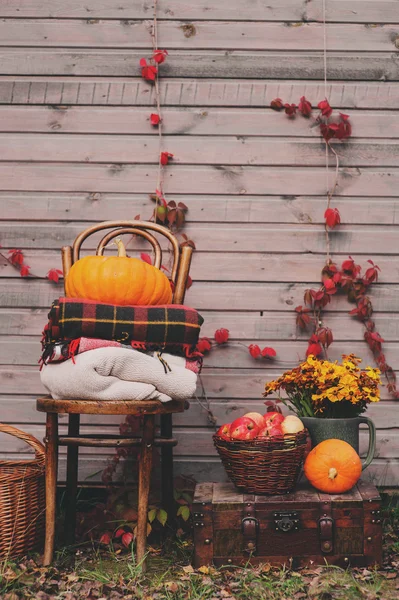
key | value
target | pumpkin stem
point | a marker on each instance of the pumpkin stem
(121, 247)
(332, 473)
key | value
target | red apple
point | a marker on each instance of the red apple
(276, 431)
(292, 424)
(257, 417)
(272, 431)
(263, 433)
(273, 417)
(243, 428)
(224, 432)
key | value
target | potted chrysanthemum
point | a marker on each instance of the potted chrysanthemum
(329, 398)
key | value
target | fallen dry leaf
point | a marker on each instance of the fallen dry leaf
(171, 586)
(188, 569)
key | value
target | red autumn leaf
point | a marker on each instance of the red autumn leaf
(290, 109)
(307, 297)
(119, 532)
(189, 282)
(165, 156)
(16, 257)
(329, 286)
(277, 104)
(324, 301)
(374, 340)
(24, 272)
(148, 72)
(159, 56)
(304, 107)
(350, 267)
(155, 119)
(325, 336)
(302, 318)
(327, 131)
(332, 217)
(187, 242)
(325, 108)
(54, 275)
(364, 309)
(314, 348)
(317, 295)
(105, 538)
(268, 352)
(345, 128)
(127, 539)
(136, 218)
(337, 277)
(254, 350)
(328, 270)
(146, 258)
(221, 335)
(204, 345)
(371, 273)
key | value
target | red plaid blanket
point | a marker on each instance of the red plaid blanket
(172, 328)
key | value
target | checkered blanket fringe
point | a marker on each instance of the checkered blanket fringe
(173, 328)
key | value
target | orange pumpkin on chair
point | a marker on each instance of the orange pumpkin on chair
(118, 280)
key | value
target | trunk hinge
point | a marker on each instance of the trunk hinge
(326, 528)
(250, 527)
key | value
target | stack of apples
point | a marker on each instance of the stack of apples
(253, 426)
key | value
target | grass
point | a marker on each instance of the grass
(95, 572)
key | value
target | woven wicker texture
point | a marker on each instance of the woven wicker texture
(263, 466)
(22, 499)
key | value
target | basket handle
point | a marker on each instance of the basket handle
(26, 437)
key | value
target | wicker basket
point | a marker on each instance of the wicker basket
(22, 499)
(263, 466)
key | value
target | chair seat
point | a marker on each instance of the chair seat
(110, 407)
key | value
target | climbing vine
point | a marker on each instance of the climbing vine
(347, 277)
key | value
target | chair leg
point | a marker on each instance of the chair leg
(144, 486)
(71, 482)
(51, 484)
(167, 468)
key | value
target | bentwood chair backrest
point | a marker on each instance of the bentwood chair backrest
(145, 229)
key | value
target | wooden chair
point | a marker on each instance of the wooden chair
(147, 409)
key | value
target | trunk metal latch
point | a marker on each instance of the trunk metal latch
(286, 521)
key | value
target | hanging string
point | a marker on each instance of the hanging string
(325, 92)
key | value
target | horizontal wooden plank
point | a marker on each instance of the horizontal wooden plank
(178, 121)
(352, 11)
(211, 209)
(198, 150)
(206, 266)
(382, 472)
(230, 237)
(182, 179)
(27, 293)
(244, 326)
(20, 350)
(226, 35)
(370, 66)
(22, 409)
(194, 442)
(128, 91)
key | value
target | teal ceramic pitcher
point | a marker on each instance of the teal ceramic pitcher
(341, 429)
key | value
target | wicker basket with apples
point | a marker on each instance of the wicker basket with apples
(263, 454)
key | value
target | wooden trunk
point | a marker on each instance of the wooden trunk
(305, 527)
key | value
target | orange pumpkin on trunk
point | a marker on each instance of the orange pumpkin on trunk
(118, 280)
(333, 466)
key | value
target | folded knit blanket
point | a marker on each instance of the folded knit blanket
(69, 349)
(119, 374)
(172, 328)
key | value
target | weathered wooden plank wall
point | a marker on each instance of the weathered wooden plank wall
(76, 147)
